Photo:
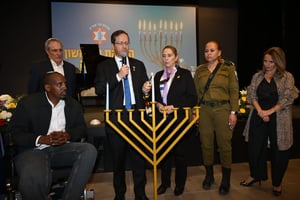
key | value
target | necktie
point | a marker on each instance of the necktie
(126, 91)
(127, 94)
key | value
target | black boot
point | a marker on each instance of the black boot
(209, 177)
(225, 184)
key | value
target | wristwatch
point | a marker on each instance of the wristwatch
(233, 112)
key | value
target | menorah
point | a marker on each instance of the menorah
(186, 123)
(152, 38)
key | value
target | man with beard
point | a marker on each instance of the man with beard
(46, 129)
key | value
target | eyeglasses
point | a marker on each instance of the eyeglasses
(55, 50)
(122, 43)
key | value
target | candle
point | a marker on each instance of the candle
(140, 24)
(152, 87)
(154, 32)
(160, 24)
(107, 96)
(144, 25)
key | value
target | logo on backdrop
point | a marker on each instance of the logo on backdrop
(99, 33)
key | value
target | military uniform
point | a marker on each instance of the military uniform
(219, 100)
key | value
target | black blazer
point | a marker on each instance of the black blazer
(38, 69)
(106, 72)
(182, 91)
(32, 118)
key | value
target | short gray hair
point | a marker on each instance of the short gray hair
(49, 40)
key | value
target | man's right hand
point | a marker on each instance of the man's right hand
(55, 138)
(124, 71)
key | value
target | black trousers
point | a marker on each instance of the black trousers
(177, 157)
(121, 150)
(180, 168)
(263, 139)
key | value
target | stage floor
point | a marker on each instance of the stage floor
(101, 183)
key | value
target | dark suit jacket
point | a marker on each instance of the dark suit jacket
(38, 69)
(32, 118)
(182, 91)
(106, 72)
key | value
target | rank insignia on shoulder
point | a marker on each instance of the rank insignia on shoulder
(229, 63)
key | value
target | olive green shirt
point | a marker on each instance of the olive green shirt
(223, 87)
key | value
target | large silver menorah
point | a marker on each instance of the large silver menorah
(152, 38)
(155, 150)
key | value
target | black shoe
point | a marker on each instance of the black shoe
(225, 183)
(249, 184)
(224, 189)
(209, 177)
(143, 197)
(119, 197)
(206, 185)
(178, 191)
(162, 189)
(276, 193)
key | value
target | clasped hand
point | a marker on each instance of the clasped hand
(264, 115)
(168, 108)
(56, 138)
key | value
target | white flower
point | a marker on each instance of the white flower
(5, 100)
(243, 92)
(7, 108)
(5, 115)
(6, 97)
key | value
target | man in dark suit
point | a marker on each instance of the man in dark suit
(116, 71)
(46, 129)
(55, 62)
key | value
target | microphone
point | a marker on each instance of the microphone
(124, 60)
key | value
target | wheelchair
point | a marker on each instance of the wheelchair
(59, 175)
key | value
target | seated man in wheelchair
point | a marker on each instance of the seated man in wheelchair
(46, 129)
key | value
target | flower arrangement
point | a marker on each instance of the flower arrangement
(7, 106)
(244, 106)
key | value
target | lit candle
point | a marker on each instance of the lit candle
(107, 96)
(152, 87)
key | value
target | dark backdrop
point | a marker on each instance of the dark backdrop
(255, 27)
(264, 24)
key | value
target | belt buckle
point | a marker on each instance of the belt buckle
(213, 104)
